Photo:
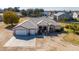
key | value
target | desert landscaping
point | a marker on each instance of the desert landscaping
(39, 30)
(48, 43)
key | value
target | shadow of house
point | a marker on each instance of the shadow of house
(9, 27)
(29, 37)
(23, 37)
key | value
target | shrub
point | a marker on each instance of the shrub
(73, 38)
(10, 17)
(73, 27)
(65, 19)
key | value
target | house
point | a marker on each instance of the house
(61, 15)
(19, 14)
(47, 13)
(75, 14)
(40, 25)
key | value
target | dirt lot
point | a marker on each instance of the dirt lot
(55, 43)
(5, 34)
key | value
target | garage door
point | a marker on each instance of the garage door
(21, 32)
(32, 32)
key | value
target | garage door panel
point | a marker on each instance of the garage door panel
(21, 32)
(32, 32)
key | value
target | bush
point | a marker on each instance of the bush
(73, 38)
(67, 26)
(76, 19)
(10, 17)
(72, 27)
(65, 19)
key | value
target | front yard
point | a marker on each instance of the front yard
(59, 42)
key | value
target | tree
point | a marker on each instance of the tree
(24, 12)
(16, 9)
(36, 12)
(9, 9)
(41, 10)
(30, 12)
(10, 17)
(65, 19)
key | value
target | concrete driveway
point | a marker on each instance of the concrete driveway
(17, 42)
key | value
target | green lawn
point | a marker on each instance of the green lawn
(77, 19)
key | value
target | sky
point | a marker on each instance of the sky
(41, 3)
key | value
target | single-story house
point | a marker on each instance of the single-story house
(19, 14)
(75, 14)
(40, 25)
(61, 15)
(47, 13)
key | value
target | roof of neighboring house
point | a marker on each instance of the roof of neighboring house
(59, 13)
(18, 13)
(76, 12)
(34, 22)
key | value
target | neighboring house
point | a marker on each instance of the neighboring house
(75, 14)
(19, 14)
(1, 11)
(52, 14)
(40, 25)
(61, 15)
(47, 13)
